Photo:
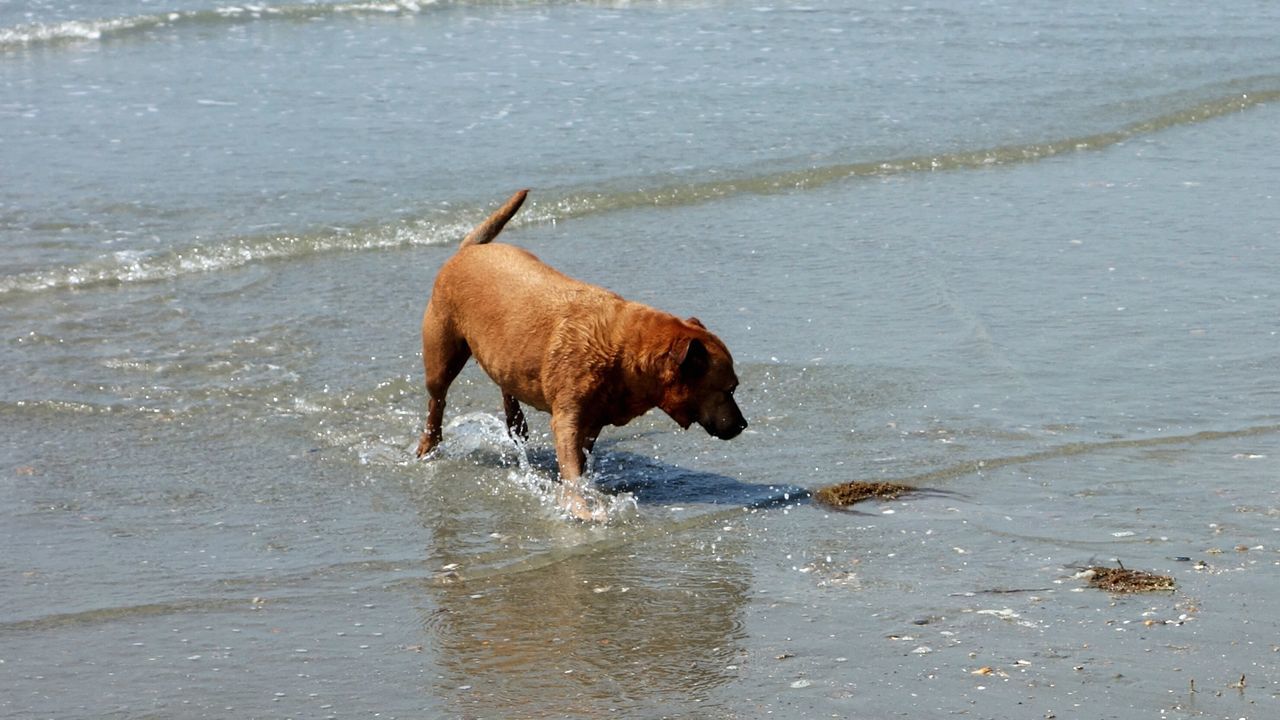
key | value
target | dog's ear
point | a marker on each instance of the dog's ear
(693, 358)
(696, 322)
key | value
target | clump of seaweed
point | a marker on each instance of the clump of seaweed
(1124, 580)
(846, 494)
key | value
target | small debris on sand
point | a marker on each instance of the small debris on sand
(846, 494)
(1124, 580)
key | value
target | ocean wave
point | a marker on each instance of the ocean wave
(124, 613)
(27, 409)
(131, 266)
(71, 31)
(550, 207)
(1075, 449)
(813, 177)
(998, 156)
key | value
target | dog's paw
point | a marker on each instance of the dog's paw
(425, 446)
(572, 501)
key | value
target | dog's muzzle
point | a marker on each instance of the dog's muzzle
(725, 427)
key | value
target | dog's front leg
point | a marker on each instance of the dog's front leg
(570, 455)
(571, 444)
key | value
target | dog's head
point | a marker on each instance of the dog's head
(701, 382)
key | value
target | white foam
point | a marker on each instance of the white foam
(137, 266)
(76, 30)
(391, 6)
(72, 30)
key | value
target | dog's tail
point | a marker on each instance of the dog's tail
(489, 229)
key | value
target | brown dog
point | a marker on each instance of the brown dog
(578, 351)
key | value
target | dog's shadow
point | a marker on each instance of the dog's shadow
(651, 481)
(654, 482)
(614, 471)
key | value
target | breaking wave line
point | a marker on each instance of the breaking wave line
(136, 266)
(131, 266)
(820, 176)
(72, 31)
(1075, 449)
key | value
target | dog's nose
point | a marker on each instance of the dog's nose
(734, 428)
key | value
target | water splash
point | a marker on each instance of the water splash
(479, 433)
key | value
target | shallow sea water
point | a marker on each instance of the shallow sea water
(1022, 256)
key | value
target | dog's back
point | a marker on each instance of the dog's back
(509, 306)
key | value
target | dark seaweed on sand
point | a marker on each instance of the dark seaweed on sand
(1124, 580)
(846, 494)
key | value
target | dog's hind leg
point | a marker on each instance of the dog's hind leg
(442, 359)
(517, 427)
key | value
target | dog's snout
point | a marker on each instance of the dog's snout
(734, 430)
(729, 425)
